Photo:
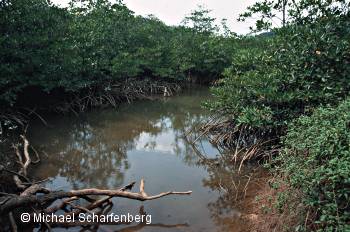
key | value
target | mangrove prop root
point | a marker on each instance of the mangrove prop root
(131, 89)
(243, 142)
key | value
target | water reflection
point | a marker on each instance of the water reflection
(109, 148)
(237, 189)
(97, 145)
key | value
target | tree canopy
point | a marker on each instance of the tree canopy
(93, 43)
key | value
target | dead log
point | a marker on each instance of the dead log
(27, 200)
(29, 197)
(28, 160)
(93, 203)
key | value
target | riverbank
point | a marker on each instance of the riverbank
(33, 100)
(310, 182)
(266, 212)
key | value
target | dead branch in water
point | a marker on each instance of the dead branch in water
(25, 164)
(37, 199)
(28, 199)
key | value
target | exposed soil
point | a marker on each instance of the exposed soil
(261, 211)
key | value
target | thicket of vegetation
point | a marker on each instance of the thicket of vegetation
(92, 44)
(268, 81)
(316, 161)
(303, 66)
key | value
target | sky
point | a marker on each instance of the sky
(173, 11)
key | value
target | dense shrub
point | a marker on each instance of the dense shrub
(33, 47)
(316, 160)
(93, 43)
(301, 67)
(276, 83)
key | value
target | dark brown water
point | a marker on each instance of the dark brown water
(145, 139)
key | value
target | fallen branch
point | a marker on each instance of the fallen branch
(26, 200)
(28, 160)
(37, 199)
(23, 162)
(94, 203)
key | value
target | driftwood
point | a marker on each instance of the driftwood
(31, 199)
(27, 160)
(40, 200)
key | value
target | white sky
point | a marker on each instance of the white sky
(172, 12)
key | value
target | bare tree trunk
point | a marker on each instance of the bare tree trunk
(284, 5)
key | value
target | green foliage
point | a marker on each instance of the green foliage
(275, 80)
(275, 13)
(201, 21)
(316, 160)
(239, 93)
(267, 11)
(294, 71)
(30, 47)
(93, 43)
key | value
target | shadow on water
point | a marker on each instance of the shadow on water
(109, 148)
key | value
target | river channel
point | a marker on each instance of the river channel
(109, 148)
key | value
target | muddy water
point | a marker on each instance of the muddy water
(145, 139)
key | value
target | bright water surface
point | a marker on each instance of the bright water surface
(110, 148)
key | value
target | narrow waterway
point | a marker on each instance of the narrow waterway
(110, 148)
